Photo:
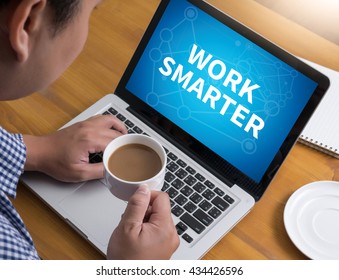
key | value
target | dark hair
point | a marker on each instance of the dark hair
(64, 11)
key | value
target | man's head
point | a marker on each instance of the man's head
(63, 12)
(39, 39)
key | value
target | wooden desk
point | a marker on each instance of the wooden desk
(116, 28)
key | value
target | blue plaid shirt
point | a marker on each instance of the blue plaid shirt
(15, 241)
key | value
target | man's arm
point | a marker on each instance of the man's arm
(63, 155)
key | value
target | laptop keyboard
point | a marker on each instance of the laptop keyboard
(195, 201)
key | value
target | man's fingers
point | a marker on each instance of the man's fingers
(91, 171)
(107, 128)
(109, 121)
(137, 207)
(161, 208)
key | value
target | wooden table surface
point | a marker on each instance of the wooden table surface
(116, 28)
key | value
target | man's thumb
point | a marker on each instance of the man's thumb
(136, 208)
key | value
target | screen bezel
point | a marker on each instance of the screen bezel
(215, 164)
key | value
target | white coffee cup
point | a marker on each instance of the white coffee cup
(125, 189)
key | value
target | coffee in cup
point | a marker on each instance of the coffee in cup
(131, 161)
(134, 162)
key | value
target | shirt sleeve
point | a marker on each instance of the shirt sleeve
(15, 240)
(12, 161)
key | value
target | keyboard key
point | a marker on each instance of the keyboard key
(199, 187)
(165, 186)
(208, 194)
(169, 177)
(220, 203)
(137, 129)
(106, 113)
(209, 184)
(190, 207)
(205, 205)
(112, 111)
(177, 184)
(172, 156)
(186, 191)
(177, 210)
(181, 199)
(172, 166)
(129, 123)
(214, 212)
(187, 238)
(121, 117)
(190, 170)
(229, 199)
(181, 228)
(179, 231)
(203, 217)
(181, 173)
(181, 163)
(172, 192)
(200, 177)
(192, 223)
(196, 198)
(190, 180)
(95, 158)
(219, 191)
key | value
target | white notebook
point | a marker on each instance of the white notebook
(322, 130)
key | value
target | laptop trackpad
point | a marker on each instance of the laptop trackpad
(94, 211)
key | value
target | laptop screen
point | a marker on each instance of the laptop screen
(224, 86)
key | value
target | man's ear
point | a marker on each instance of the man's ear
(26, 20)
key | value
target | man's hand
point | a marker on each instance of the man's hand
(64, 154)
(146, 230)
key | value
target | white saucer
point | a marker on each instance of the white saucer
(311, 218)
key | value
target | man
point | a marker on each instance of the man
(34, 36)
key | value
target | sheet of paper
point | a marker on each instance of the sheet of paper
(322, 129)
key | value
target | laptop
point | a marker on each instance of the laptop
(226, 104)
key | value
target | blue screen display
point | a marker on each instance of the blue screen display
(231, 95)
